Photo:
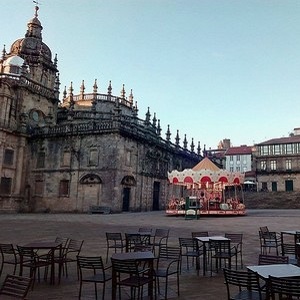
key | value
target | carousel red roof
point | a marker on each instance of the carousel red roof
(205, 164)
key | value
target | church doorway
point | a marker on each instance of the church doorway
(156, 190)
(126, 198)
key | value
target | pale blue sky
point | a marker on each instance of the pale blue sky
(212, 69)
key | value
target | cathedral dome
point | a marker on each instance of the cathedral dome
(13, 65)
(32, 44)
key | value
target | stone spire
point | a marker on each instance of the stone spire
(168, 134)
(192, 145)
(158, 127)
(82, 88)
(185, 142)
(199, 149)
(109, 89)
(177, 138)
(148, 116)
(154, 120)
(123, 93)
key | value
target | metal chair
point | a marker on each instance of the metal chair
(115, 241)
(160, 238)
(189, 248)
(132, 239)
(286, 288)
(70, 255)
(236, 241)
(242, 285)
(31, 260)
(130, 274)
(92, 270)
(269, 240)
(221, 250)
(15, 286)
(8, 256)
(167, 264)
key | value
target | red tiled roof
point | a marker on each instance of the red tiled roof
(283, 140)
(239, 150)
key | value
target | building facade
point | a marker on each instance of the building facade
(277, 163)
(89, 149)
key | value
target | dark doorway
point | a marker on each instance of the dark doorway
(126, 198)
(289, 187)
(156, 189)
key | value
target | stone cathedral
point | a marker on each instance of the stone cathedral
(80, 151)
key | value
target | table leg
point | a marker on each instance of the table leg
(204, 258)
(114, 285)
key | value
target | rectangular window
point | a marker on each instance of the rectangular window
(238, 169)
(288, 164)
(64, 188)
(274, 186)
(238, 157)
(39, 188)
(289, 149)
(66, 159)
(128, 158)
(265, 150)
(8, 157)
(273, 165)
(93, 160)
(5, 185)
(231, 157)
(277, 149)
(231, 169)
(263, 165)
(264, 186)
(40, 162)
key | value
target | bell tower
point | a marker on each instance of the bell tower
(32, 79)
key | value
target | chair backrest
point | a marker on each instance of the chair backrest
(199, 234)
(235, 238)
(125, 266)
(113, 236)
(189, 244)
(26, 252)
(284, 286)
(168, 252)
(264, 230)
(288, 249)
(132, 239)
(90, 262)
(73, 249)
(220, 246)
(272, 259)
(63, 240)
(7, 250)
(15, 286)
(145, 229)
(241, 279)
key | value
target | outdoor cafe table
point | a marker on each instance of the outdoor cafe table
(276, 270)
(146, 256)
(205, 240)
(47, 245)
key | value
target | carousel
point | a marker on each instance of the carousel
(206, 190)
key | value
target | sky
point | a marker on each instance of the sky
(212, 69)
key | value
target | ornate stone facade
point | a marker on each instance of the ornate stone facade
(87, 150)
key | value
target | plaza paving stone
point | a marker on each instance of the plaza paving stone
(23, 228)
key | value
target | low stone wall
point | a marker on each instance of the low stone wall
(272, 200)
